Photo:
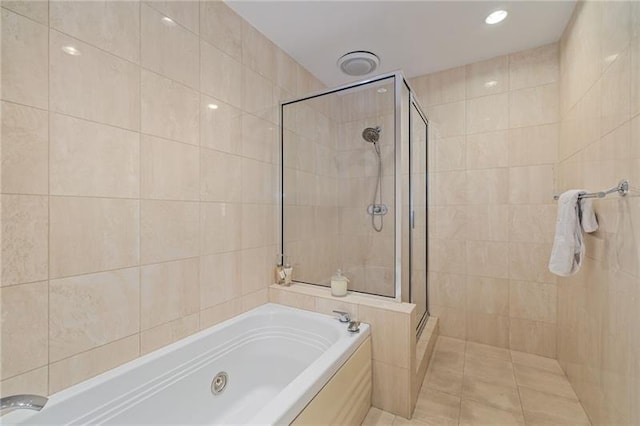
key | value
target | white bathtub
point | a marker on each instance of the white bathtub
(277, 358)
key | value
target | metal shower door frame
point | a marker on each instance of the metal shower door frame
(399, 81)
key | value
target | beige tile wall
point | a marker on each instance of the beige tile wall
(132, 213)
(598, 323)
(494, 136)
(119, 184)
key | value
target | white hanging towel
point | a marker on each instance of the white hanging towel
(574, 216)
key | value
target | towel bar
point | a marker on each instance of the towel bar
(622, 189)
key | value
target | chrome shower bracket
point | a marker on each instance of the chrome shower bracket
(377, 209)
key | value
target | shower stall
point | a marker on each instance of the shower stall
(354, 189)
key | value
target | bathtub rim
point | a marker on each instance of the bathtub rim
(299, 392)
(18, 416)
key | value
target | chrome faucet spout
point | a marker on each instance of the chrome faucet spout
(27, 402)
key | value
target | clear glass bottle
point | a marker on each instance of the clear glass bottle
(288, 271)
(280, 274)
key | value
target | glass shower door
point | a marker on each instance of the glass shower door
(418, 212)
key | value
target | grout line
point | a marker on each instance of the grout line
(518, 389)
(173, 80)
(102, 50)
(200, 167)
(27, 17)
(140, 180)
(95, 122)
(129, 198)
(166, 139)
(464, 366)
(82, 274)
(85, 351)
(48, 197)
(8, 101)
(28, 372)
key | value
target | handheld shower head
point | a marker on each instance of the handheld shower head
(371, 134)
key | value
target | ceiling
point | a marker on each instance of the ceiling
(418, 37)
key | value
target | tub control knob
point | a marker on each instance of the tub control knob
(354, 327)
(343, 316)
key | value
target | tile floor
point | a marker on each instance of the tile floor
(473, 384)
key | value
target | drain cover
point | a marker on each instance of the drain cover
(219, 383)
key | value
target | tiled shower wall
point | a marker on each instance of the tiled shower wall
(330, 177)
(493, 146)
(367, 256)
(133, 213)
(311, 212)
(598, 323)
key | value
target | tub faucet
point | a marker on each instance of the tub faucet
(343, 316)
(28, 402)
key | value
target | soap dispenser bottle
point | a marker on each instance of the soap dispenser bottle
(339, 284)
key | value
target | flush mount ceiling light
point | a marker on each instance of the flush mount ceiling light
(495, 17)
(212, 106)
(70, 50)
(358, 62)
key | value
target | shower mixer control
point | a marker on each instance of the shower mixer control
(377, 209)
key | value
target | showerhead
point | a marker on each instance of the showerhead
(371, 134)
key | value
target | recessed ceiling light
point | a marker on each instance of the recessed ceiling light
(358, 62)
(70, 50)
(495, 17)
(490, 84)
(168, 21)
(381, 90)
(212, 106)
